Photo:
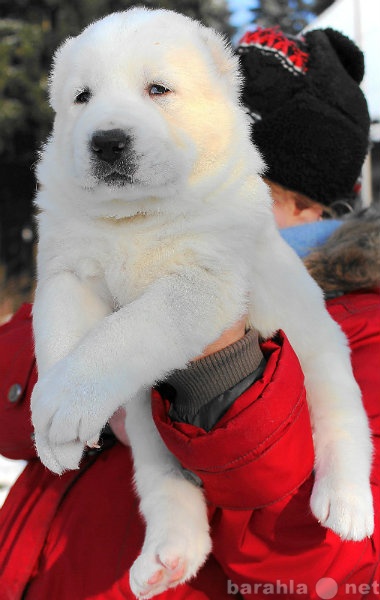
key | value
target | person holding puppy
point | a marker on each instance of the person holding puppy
(311, 125)
(237, 417)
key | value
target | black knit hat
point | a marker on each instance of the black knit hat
(311, 121)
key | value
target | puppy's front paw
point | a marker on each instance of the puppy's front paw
(58, 457)
(345, 508)
(167, 564)
(65, 416)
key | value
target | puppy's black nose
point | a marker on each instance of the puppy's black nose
(109, 144)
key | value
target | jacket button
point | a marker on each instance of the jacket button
(14, 392)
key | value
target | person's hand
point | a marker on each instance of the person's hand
(228, 337)
(117, 424)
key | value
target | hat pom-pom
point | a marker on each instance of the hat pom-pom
(351, 57)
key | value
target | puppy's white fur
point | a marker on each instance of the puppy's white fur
(135, 280)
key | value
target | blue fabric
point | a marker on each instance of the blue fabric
(303, 238)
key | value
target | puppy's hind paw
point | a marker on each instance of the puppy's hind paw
(151, 575)
(164, 567)
(346, 509)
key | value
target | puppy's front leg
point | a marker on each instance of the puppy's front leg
(177, 539)
(167, 326)
(285, 297)
(65, 309)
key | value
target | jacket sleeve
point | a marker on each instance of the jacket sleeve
(241, 460)
(17, 377)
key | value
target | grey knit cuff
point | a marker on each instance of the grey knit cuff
(211, 376)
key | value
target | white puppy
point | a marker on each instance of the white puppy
(156, 234)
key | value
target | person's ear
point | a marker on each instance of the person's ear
(308, 214)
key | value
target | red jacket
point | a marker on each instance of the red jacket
(74, 537)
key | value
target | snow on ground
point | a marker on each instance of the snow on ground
(9, 471)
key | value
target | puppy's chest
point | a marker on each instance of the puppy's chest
(127, 264)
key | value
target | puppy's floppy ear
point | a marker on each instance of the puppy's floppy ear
(59, 71)
(224, 58)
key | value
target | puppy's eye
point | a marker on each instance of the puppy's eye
(83, 96)
(157, 89)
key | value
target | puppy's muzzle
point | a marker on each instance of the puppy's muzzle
(112, 155)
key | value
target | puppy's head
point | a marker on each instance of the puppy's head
(146, 101)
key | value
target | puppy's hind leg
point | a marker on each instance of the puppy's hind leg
(285, 297)
(177, 539)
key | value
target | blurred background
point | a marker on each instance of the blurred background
(30, 30)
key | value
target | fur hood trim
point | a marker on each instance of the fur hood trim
(350, 259)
